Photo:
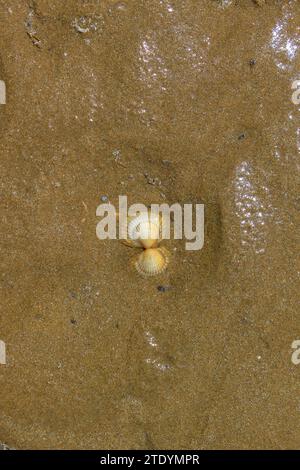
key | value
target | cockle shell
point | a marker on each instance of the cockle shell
(152, 261)
(144, 231)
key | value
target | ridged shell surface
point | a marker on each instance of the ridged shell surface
(152, 261)
(144, 230)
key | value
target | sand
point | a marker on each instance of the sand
(196, 96)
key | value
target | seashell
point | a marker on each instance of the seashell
(152, 261)
(144, 231)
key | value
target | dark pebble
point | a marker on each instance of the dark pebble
(163, 288)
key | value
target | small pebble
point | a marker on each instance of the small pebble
(104, 198)
(252, 62)
(241, 136)
(121, 6)
(163, 288)
(73, 321)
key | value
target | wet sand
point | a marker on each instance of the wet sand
(196, 94)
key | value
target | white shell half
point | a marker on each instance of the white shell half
(144, 230)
